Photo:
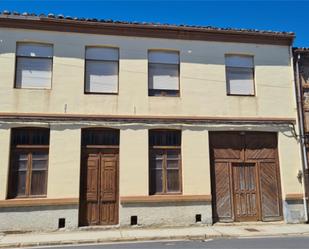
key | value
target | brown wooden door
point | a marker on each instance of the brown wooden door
(99, 188)
(245, 192)
(245, 176)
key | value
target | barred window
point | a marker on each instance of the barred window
(29, 162)
(164, 162)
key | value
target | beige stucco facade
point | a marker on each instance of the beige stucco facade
(202, 94)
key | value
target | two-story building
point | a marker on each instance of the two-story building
(115, 123)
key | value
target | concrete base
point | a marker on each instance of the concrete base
(293, 211)
(165, 214)
(37, 218)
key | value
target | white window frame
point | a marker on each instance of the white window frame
(100, 60)
(240, 67)
(32, 56)
(163, 92)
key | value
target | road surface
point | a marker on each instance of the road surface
(301, 242)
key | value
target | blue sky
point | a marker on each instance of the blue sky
(264, 15)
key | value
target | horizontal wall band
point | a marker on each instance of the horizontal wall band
(31, 202)
(164, 198)
(143, 118)
(151, 31)
(294, 197)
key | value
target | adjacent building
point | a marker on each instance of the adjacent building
(301, 66)
(114, 123)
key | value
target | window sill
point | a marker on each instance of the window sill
(38, 201)
(241, 95)
(98, 93)
(164, 198)
(32, 88)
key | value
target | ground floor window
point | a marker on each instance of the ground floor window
(29, 163)
(164, 162)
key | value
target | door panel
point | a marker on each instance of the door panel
(245, 192)
(260, 146)
(270, 192)
(226, 145)
(222, 197)
(92, 177)
(108, 190)
(109, 213)
(108, 178)
(89, 214)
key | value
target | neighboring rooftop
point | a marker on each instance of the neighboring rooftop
(301, 50)
(105, 26)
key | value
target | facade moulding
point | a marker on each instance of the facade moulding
(164, 198)
(151, 31)
(30, 202)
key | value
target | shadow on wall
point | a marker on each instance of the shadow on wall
(72, 46)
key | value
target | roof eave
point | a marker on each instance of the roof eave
(151, 31)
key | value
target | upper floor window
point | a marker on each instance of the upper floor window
(34, 63)
(164, 162)
(163, 73)
(240, 75)
(29, 162)
(101, 70)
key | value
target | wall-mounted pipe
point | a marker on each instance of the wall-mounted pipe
(301, 132)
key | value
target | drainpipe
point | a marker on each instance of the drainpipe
(302, 134)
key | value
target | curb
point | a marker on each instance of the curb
(132, 239)
(101, 241)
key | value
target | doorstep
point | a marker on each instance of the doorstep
(250, 223)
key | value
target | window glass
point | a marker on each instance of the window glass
(163, 73)
(34, 50)
(164, 161)
(33, 66)
(39, 173)
(29, 162)
(101, 70)
(163, 76)
(33, 73)
(240, 75)
(102, 77)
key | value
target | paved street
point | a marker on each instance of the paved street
(233, 243)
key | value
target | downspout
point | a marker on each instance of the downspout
(302, 133)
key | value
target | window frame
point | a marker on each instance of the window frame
(163, 92)
(29, 149)
(95, 60)
(228, 93)
(36, 58)
(153, 149)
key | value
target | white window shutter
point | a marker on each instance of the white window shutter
(240, 81)
(163, 77)
(168, 57)
(239, 61)
(96, 53)
(33, 73)
(102, 76)
(34, 50)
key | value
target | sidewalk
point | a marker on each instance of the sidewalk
(138, 233)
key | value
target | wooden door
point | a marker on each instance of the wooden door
(99, 188)
(245, 176)
(245, 192)
(225, 147)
